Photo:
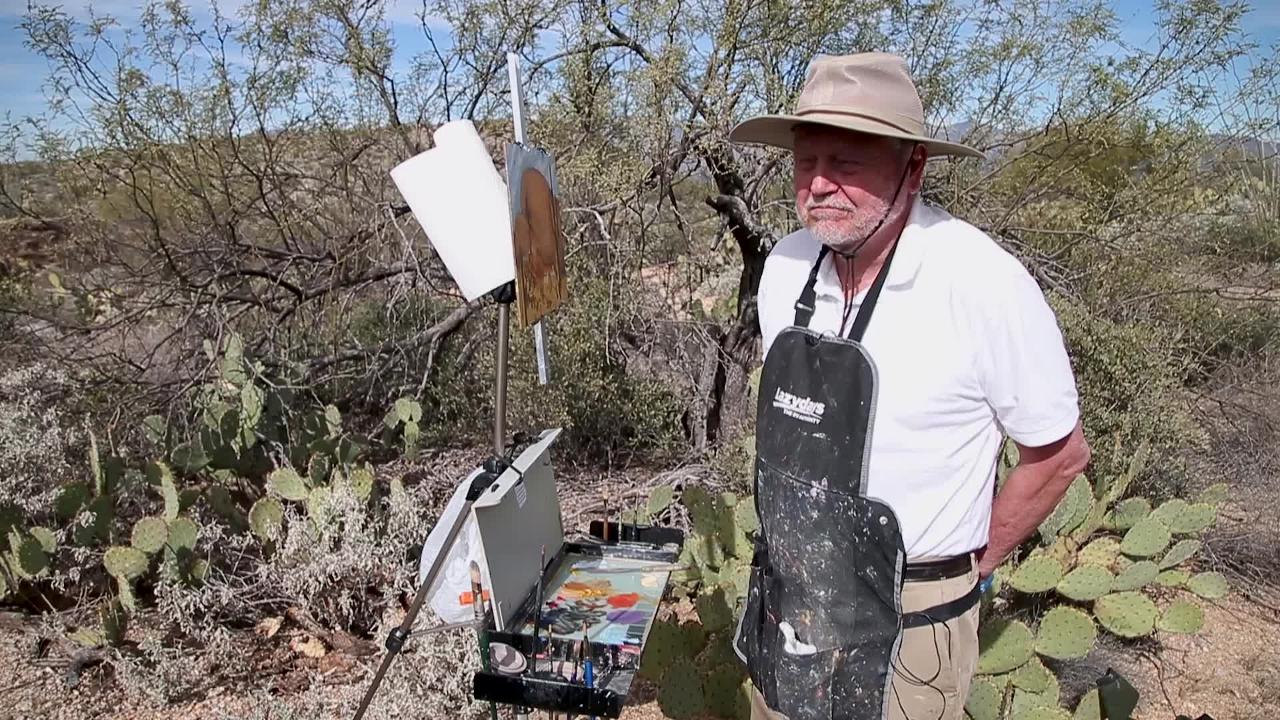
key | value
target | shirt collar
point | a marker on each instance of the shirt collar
(906, 261)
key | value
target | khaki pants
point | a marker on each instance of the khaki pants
(935, 663)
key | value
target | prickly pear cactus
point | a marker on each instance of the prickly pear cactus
(286, 483)
(1087, 582)
(1146, 538)
(266, 518)
(1183, 617)
(1003, 646)
(1065, 633)
(150, 534)
(681, 695)
(125, 563)
(1108, 557)
(1127, 614)
(1135, 576)
(1208, 585)
(1038, 574)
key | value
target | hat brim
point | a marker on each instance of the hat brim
(779, 131)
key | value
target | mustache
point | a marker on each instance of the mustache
(830, 206)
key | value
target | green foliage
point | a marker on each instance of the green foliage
(1107, 564)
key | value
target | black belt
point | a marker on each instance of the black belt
(945, 569)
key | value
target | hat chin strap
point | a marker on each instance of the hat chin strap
(883, 217)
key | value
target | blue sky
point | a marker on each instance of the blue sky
(22, 73)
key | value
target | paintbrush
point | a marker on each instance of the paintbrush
(588, 675)
(537, 605)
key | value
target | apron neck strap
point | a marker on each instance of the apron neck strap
(805, 305)
(808, 296)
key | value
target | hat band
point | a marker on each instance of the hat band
(863, 116)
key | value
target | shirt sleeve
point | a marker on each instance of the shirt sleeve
(1024, 368)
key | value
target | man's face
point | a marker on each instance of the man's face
(844, 182)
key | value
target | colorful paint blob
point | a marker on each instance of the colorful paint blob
(625, 600)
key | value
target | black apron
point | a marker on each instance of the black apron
(823, 616)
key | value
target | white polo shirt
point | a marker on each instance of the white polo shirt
(967, 351)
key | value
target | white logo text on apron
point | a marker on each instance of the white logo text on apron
(800, 408)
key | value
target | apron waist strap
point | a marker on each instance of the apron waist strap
(944, 612)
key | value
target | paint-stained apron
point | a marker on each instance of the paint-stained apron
(823, 615)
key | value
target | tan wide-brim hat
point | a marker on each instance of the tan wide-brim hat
(867, 92)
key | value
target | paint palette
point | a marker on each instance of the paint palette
(613, 591)
(615, 598)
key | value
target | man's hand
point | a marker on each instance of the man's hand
(1030, 494)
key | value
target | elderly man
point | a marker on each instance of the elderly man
(878, 434)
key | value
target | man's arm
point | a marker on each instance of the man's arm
(1030, 493)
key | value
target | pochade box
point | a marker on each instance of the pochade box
(598, 598)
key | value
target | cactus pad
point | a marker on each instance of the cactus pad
(266, 518)
(1093, 520)
(29, 558)
(680, 695)
(69, 501)
(362, 482)
(694, 636)
(1146, 538)
(1179, 553)
(1193, 519)
(48, 539)
(1087, 582)
(1173, 578)
(1040, 712)
(659, 500)
(984, 699)
(718, 653)
(115, 623)
(722, 687)
(1074, 504)
(124, 562)
(287, 484)
(1169, 510)
(1135, 576)
(744, 514)
(1089, 707)
(149, 534)
(98, 526)
(318, 469)
(1127, 614)
(1182, 616)
(665, 643)
(1032, 677)
(1081, 504)
(1208, 585)
(1003, 646)
(714, 610)
(1214, 494)
(1102, 551)
(1039, 573)
(183, 533)
(1026, 701)
(1127, 513)
(1065, 634)
(702, 510)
